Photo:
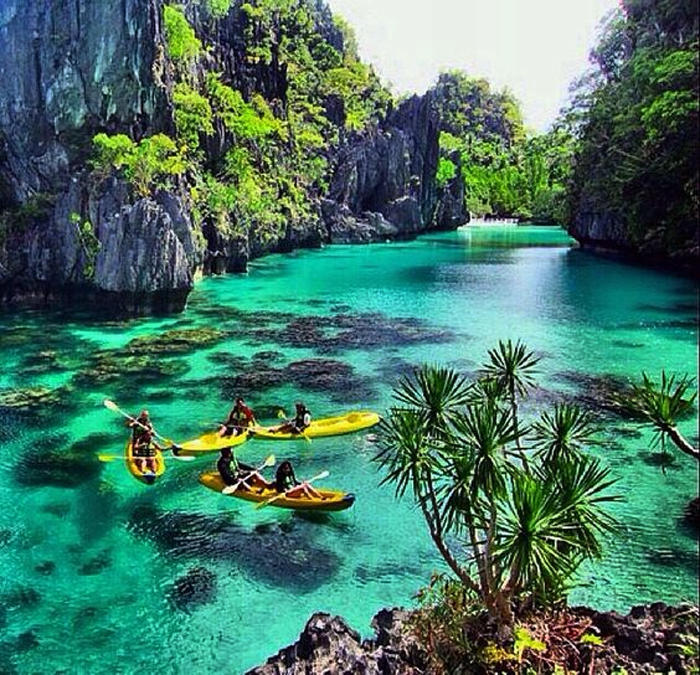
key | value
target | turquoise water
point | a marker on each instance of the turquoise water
(91, 558)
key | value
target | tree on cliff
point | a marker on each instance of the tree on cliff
(512, 531)
(507, 172)
(639, 137)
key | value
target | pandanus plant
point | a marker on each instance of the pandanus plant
(663, 405)
(509, 530)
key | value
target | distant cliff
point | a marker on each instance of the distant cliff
(143, 143)
(635, 185)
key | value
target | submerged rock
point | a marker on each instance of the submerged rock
(284, 557)
(139, 370)
(49, 464)
(35, 400)
(331, 334)
(172, 341)
(197, 587)
(335, 378)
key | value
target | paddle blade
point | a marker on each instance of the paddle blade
(270, 461)
(321, 475)
(281, 414)
(109, 458)
(230, 489)
(183, 458)
(111, 405)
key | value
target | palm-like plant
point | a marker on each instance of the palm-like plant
(513, 367)
(662, 406)
(411, 456)
(553, 521)
(534, 541)
(563, 433)
(437, 392)
(526, 528)
(485, 433)
(580, 483)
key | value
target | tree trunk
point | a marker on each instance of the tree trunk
(682, 444)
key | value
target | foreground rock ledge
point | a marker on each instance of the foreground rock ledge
(642, 642)
(328, 645)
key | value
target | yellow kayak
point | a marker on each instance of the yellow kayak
(148, 477)
(210, 442)
(327, 426)
(333, 500)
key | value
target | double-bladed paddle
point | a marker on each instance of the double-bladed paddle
(282, 415)
(111, 405)
(230, 489)
(269, 501)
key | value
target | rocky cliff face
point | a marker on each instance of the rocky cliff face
(75, 69)
(601, 230)
(68, 70)
(384, 181)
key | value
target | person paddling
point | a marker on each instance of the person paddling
(286, 482)
(143, 444)
(239, 419)
(300, 421)
(233, 472)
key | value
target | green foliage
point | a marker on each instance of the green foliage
(183, 45)
(505, 173)
(591, 639)
(271, 156)
(446, 171)
(638, 125)
(662, 406)
(37, 207)
(89, 244)
(193, 115)
(147, 165)
(509, 527)
(523, 641)
(218, 8)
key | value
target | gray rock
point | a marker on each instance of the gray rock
(89, 66)
(328, 645)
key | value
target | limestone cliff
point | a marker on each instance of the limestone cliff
(72, 70)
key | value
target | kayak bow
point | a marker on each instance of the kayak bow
(210, 442)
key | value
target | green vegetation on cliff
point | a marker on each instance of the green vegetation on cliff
(507, 172)
(637, 114)
(253, 157)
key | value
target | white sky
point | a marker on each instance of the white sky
(535, 47)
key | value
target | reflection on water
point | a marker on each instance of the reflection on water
(91, 558)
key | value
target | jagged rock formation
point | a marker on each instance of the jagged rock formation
(328, 645)
(75, 69)
(384, 182)
(648, 639)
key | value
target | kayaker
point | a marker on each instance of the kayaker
(300, 421)
(143, 444)
(286, 481)
(240, 418)
(232, 471)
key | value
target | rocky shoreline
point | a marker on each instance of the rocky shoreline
(654, 638)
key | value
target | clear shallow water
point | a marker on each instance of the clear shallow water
(90, 557)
